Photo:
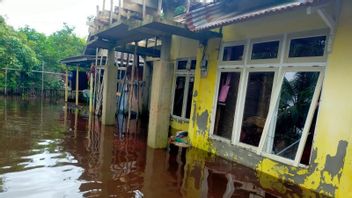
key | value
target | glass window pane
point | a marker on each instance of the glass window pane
(179, 94)
(266, 50)
(182, 64)
(307, 47)
(256, 106)
(189, 97)
(295, 99)
(193, 64)
(233, 53)
(309, 143)
(226, 104)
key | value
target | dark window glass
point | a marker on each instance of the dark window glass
(309, 143)
(307, 47)
(189, 97)
(266, 50)
(226, 104)
(233, 53)
(193, 64)
(179, 94)
(182, 64)
(256, 107)
(295, 99)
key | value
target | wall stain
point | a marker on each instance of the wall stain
(334, 164)
(202, 122)
(195, 94)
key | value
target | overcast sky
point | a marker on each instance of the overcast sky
(48, 16)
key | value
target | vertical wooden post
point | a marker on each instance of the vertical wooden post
(5, 81)
(95, 78)
(91, 93)
(77, 84)
(76, 123)
(120, 10)
(42, 79)
(111, 10)
(144, 10)
(65, 116)
(66, 85)
(160, 2)
(132, 85)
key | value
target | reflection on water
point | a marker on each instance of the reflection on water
(46, 151)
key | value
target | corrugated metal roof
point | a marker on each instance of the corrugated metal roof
(217, 14)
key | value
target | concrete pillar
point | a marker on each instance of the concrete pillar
(147, 79)
(109, 90)
(160, 102)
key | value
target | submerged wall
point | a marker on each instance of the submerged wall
(330, 169)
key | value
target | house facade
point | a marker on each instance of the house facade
(265, 84)
(272, 93)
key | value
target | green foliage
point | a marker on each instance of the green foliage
(173, 7)
(26, 50)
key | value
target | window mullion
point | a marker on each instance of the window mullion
(173, 92)
(271, 112)
(309, 120)
(236, 130)
(185, 97)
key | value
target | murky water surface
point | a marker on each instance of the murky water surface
(46, 151)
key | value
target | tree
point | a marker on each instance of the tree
(14, 53)
(27, 49)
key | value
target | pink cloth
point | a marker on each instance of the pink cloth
(225, 89)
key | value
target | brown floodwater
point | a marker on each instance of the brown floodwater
(46, 151)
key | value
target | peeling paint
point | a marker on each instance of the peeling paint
(195, 93)
(202, 122)
(327, 165)
(334, 164)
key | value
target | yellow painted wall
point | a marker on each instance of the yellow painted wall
(333, 131)
(336, 122)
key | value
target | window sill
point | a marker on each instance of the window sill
(179, 119)
(220, 139)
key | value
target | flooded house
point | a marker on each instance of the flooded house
(261, 83)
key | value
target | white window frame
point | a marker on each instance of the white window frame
(233, 44)
(308, 121)
(301, 35)
(188, 73)
(239, 120)
(269, 61)
(217, 88)
(280, 66)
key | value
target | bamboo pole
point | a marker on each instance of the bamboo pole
(111, 10)
(66, 85)
(5, 81)
(95, 78)
(120, 10)
(91, 93)
(144, 10)
(160, 2)
(77, 84)
(99, 87)
(42, 79)
(131, 86)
